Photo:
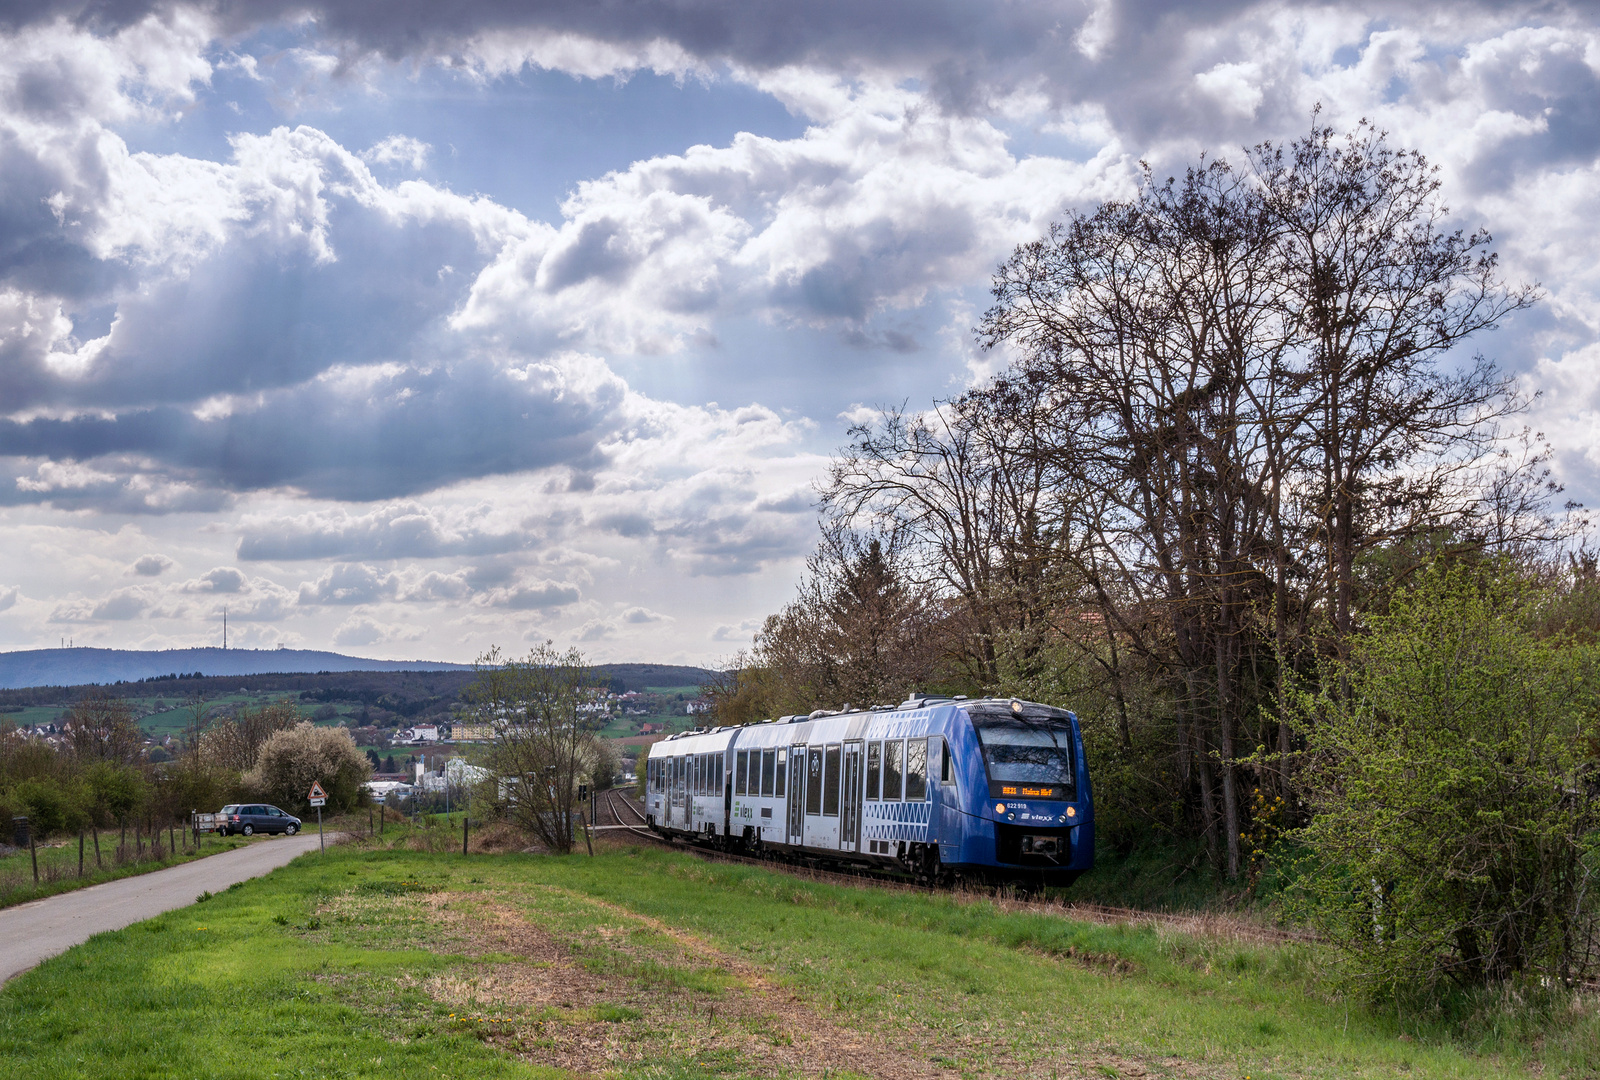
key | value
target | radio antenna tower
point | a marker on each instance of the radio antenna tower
(224, 627)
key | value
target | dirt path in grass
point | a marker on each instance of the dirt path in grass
(642, 991)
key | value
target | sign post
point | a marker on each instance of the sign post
(317, 798)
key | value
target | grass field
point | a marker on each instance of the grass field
(642, 962)
(33, 714)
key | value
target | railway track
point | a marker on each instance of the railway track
(625, 817)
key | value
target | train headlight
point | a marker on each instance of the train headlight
(1072, 811)
(1000, 808)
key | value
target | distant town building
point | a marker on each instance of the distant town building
(388, 790)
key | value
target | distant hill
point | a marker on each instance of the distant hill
(639, 676)
(80, 668)
(76, 667)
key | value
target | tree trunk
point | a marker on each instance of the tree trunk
(1208, 797)
(1225, 725)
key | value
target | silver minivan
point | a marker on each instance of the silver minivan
(247, 819)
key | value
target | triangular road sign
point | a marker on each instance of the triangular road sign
(316, 791)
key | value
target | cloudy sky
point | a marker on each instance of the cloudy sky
(408, 328)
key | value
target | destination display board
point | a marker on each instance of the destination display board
(1049, 792)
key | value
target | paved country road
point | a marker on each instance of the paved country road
(40, 929)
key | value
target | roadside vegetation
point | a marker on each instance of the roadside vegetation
(379, 960)
(99, 788)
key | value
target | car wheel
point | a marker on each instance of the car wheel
(290, 830)
(248, 830)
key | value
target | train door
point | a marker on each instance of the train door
(797, 794)
(850, 810)
(682, 792)
(814, 789)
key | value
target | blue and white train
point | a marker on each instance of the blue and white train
(935, 788)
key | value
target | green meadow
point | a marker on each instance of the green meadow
(397, 961)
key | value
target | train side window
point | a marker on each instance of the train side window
(947, 767)
(893, 757)
(830, 782)
(695, 764)
(769, 760)
(916, 770)
(742, 779)
(702, 779)
(721, 787)
(814, 780)
(777, 784)
(874, 768)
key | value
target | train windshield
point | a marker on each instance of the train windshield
(1028, 755)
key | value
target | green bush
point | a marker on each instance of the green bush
(1452, 777)
(113, 792)
(51, 807)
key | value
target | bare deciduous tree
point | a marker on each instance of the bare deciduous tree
(1244, 368)
(235, 744)
(545, 743)
(102, 728)
(1227, 393)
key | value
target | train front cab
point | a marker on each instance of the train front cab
(1016, 801)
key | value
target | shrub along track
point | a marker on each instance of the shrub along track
(619, 814)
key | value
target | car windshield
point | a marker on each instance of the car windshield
(1028, 755)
